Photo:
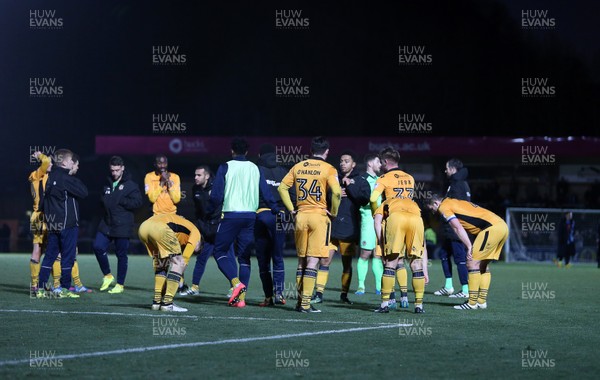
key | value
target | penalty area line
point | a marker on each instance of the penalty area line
(200, 344)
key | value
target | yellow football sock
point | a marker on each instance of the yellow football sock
(195, 287)
(56, 273)
(418, 283)
(322, 277)
(387, 284)
(474, 282)
(160, 279)
(299, 283)
(235, 281)
(34, 267)
(484, 286)
(75, 274)
(308, 285)
(172, 286)
(402, 276)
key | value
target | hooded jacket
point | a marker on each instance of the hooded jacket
(119, 204)
(60, 201)
(346, 226)
(273, 174)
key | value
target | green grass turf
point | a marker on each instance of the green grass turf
(443, 343)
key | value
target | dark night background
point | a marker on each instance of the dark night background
(348, 56)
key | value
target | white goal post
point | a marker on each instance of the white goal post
(533, 234)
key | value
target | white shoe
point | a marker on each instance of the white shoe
(155, 306)
(482, 305)
(458, 295)
(443, 292)
(465, 306)
(174, 308)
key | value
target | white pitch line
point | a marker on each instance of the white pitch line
(157, 315)
(194, 317)
(199, 344)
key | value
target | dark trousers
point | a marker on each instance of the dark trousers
(269, 247)
(457, 250)
(65, 243)
(566, 251)
(100, 247)
(208, 250)
(240, 231)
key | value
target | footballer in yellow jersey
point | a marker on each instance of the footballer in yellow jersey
(312, 179)
(490, 233)
(403, 236)
(37, 179)
(164, 235)
(163, 188)
(394, 183)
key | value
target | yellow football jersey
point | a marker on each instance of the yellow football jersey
(186, 232)
(311, 178)
(393, 205)
(39, 176)
(163, 200)
(473, 218)
(393, 184)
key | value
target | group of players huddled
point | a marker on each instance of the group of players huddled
(245, 205)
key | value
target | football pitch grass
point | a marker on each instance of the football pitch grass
(541, 322)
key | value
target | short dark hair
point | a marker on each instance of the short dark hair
(389, 153)
(239, 146)
(434, 197)
(370, 157)
(319, 145)
(205, 168)
(116, 161)
(159, 156)
(62, 154)
(350, 153)
(455, 163)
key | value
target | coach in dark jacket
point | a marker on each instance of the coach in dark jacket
(345, 228)
(451, 244)
(120, 198)
(61, 213)
(269, 230)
